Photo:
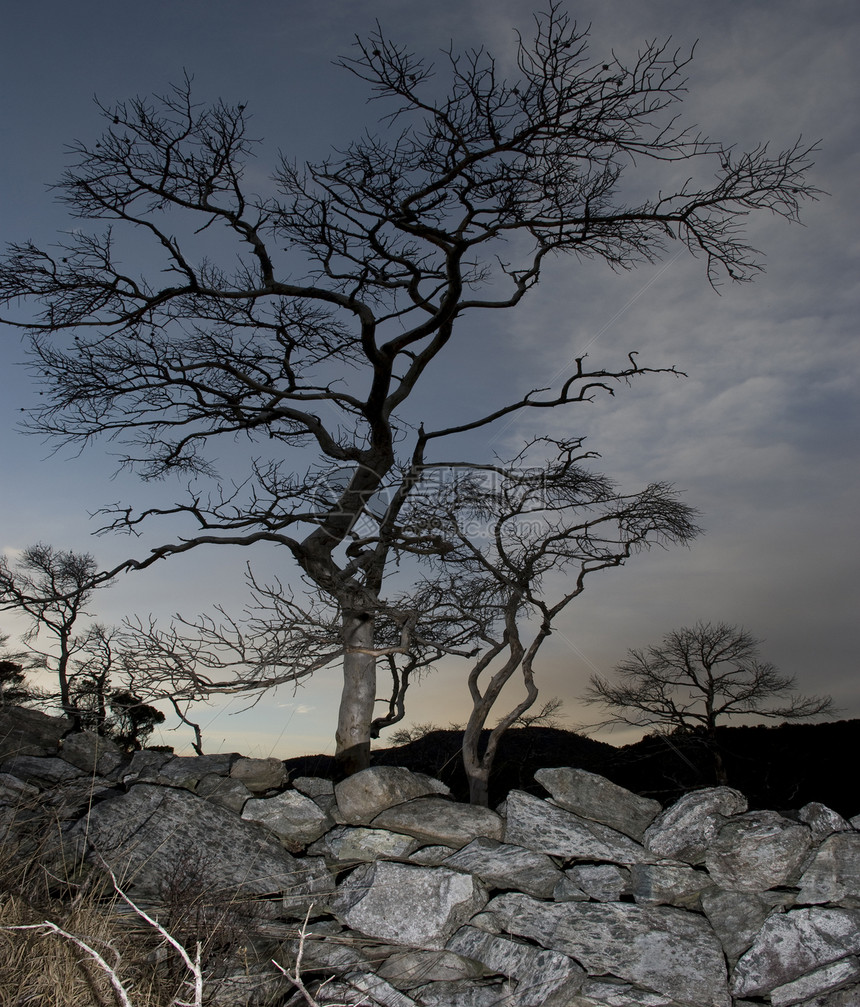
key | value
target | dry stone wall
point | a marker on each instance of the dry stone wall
(589, 897)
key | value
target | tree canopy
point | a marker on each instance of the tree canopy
(301, 319)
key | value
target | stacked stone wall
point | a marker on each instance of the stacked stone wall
(589, 897)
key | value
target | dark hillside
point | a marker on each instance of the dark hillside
(780, 768)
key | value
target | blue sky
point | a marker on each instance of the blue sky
(762, 435)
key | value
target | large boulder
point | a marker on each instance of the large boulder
(294, 818)
(92, 753)
(685, 830)
(363, 796)
(834, 874)
(152, 834)
(415, 906)
(500, 865)
(541, 975)
(30, 732)
(259, 775)
(790, 945)
(757, 851)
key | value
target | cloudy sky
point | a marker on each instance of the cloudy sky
(762, 435)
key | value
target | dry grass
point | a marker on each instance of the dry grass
(70, 937)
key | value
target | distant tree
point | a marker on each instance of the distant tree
(52, 588)
(14, 687)
(94, 677)
(303, 320)
(696, 678)
(133, 720)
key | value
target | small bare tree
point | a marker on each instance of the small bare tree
(521, 542)
(697, 677)
(362, 269)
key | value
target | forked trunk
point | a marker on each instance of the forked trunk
(358, 697)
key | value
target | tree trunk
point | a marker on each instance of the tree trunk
(477, 769)
(358, 697)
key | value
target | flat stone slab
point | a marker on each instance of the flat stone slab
(440, 822)
(542, 827)
(348, 845)
(666, 951)
(591, 796)
(500, 865)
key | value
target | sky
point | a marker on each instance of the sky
(761, 435)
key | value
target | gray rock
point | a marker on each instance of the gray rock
(91, 753)
(30, 732)
(153, 834)
(144, 766)
(822, 820)
(568, 891)
(608, 993)
(313, 786)
(222, 790)
(259, 775)
(603, 882)
(41, 771)
(361, 797)
(467, 993)
(665, 950)
(685, 830)
(849, 997)
(541, 975)
(14, 791)
(294, 818)
(348, 845)
(356, 987)
(500, 865)
(831, 977)
(415, 906)
(311, 887)
(540, 826)
(409, 969)
(592, 796)
(187, 770)
(435, 820)
(834, 874)
(431, 856)
(661, 884)
(757, 851)
(791, 944)
(736, 918)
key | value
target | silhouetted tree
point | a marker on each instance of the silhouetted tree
(360, 267)
(697, 677)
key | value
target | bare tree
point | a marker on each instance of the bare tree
(697, 677)
(522, 541)
(52, 588)
(360, 267)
